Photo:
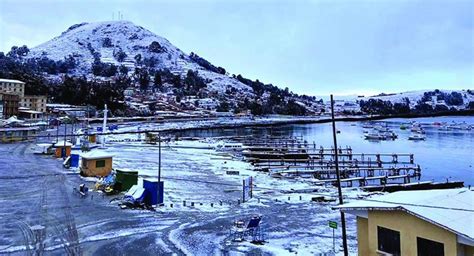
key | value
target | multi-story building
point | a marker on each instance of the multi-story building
(12, 86)
(9, 104)
(34, 102)
(15, 101)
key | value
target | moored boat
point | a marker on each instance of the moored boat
(374, 136)
(416, 136)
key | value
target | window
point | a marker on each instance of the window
(388, 240)
(100, 163)
(429, 248)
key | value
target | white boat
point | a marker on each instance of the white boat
(417, 129)
(462, 126)
(367, 126)
(374, 136)
(227, 146)
(389, 135)
(382, 129)
(443, 128)
(416, 136)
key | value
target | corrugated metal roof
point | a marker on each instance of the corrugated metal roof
(452, 209)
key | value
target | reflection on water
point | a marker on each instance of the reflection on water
(443, 155)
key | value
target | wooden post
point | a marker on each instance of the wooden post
(343, 219)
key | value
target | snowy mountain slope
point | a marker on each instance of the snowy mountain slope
(82, 40)
(415, 96)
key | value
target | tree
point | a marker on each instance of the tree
(120, 55)
(157, 81)
(274, 99)
(123, 70)
(470, 105)
(295, 109)
(18, 52)
(455, 98)
(155, 47)
(138, 58)
(103, 69)
(423, 108)
(150, 62)
(223, 106)
(401, 108)
(256, 109)
(441, 108)
(106, 42)
(143, 79)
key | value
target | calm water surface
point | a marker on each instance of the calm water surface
(443, 155)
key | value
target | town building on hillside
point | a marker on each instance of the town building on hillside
(12, 86)
(424, 223)
(26, 106)
(34, 102)
(26, 113)
(130, 91)
(9, 104)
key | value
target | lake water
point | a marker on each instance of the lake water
(443, 155)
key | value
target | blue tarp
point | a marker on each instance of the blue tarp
(154, 192)
(74, 160)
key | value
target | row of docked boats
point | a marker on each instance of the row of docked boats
(379, 132)
(441, 126)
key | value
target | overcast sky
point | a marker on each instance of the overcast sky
(312, 47)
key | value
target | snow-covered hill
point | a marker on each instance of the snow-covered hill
(416, 96)
(83, 40)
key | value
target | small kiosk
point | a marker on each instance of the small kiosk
(62, 149)
(96, 164)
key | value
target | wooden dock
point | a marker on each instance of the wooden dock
(424, 185)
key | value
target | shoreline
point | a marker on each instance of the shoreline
(270, 123)
(234, 123)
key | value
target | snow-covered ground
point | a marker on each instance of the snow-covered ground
(292, 223)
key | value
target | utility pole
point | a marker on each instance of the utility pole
(57, 130)
(159, 158)
(73, 136)
(65, 133)
(160, 183)
(343, 219)
(104, 126)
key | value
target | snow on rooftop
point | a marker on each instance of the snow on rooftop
(2, 80)
(452, 209)
(61, 143)
(96, 154)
